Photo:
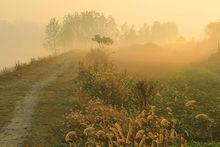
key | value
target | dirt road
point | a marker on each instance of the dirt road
(15, 132)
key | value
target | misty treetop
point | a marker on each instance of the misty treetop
(52, 35)
(213, 31)
(157, 32)
(77, 29)
(164, 31)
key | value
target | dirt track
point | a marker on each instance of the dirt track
(15, 132)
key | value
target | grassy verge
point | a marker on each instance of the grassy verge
(54, 101)
(16, 82)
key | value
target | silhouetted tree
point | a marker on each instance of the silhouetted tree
(98, 39)
(107, 41)
(102, 41)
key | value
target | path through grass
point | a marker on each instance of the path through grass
(29, 106)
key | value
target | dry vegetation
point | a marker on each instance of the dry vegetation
(111, 108)
(103, 125)
(122, 111)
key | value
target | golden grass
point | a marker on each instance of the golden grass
(201, 117)
(104, 125)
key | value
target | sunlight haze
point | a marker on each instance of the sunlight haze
(110, 73)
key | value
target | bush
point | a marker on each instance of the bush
(98, 78)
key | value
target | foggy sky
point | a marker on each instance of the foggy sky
(190, 15)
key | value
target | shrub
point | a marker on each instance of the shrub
(144, 91)
(98, 78)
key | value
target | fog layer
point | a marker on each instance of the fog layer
(20, 41)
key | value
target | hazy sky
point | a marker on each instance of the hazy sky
(190, 15)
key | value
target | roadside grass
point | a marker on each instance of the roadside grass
(55, 100)
(16, 82)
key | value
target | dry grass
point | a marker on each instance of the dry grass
(104, 125)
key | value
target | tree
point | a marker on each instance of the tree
(144, 33)
(52, 31)
(107, 40)
(128, 34)
(98, 39)
(164, 32)
(102, 41)
(213, 30)
(132, 35)
(78, 28)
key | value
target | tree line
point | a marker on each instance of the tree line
(77, 30)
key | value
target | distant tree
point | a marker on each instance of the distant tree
(78, 28)
(144, 33)
(124, 29)
(107, 41)
(52, 31)
(213, 30)
(111, 28)
(132, 35)
(163, 32)
(102, 41)
(97, 38)
(128, 34)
